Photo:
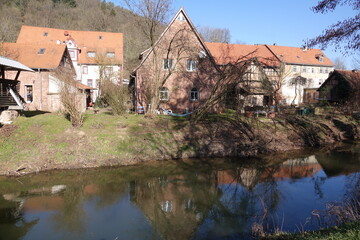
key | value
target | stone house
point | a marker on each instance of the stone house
(40, 89)
(94, 55)
(178, 70)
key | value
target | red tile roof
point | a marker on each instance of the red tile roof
(100, 42)
(296, 55)
(30, 54)
(224, 53)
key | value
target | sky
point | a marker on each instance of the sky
(283, 22)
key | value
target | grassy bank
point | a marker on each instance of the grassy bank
(41, 141)
(349, 231)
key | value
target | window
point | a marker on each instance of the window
(326, 70)
(194, 94)
(72, 54)
(191, 65)
(100, 37)
(41, 51)
(180, 17)
(168, 64)
(166, 206)
(28, 93)
(85, 70)
(304, 69)
(110, 54)
(91, 54)
(90, 82)
(294, 69)
(312, 70)
(164, 94)
(321, 70)
(45, 34)
(321, 58)
(108, 71)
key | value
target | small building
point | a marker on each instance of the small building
(94, 55)
(40, 89)
(341, 86)
(9, 88)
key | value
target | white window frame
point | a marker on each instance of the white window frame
(91, 54)
(92, 83)
(164, 94)
(27, 92)
(194, 94)
(110, 54)
(168, 64)
(191, 65)
(85, 70)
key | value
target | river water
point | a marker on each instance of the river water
(200, 199)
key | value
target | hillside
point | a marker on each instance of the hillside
(86, 15)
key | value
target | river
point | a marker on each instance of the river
(195, 199)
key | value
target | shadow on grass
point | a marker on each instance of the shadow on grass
(29, 114)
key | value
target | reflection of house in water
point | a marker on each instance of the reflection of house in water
(176, 205)
(249, 177)
(295, 168)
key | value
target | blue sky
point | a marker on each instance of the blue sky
(284, 22)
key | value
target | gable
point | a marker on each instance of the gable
(180, 31)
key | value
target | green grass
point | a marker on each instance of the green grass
(349, 231)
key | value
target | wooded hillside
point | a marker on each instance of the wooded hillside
(87, 15)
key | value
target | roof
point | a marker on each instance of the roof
(148, 51)
(225, 53)
(351, 76)
(10, 64)
(83, 86)
(301, 56)
(44, 56)
(86, 41)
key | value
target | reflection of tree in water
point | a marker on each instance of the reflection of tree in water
(72, 216)
(175, 205)
(12, 223)
(244, 199)
(106, 194)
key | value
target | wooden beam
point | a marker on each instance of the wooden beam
(2, 72)
(17, 75)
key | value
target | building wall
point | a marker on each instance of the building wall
(45, 88)
(315, 74)
(180, 82)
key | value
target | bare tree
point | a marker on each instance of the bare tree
(298, 82)
(273, 78)
(346, 31)
(69, 96)
(154, 14)
(110, 89)
(210, 34)
(339, 64)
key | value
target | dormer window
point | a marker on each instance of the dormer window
(100, 37)
(41, 51)
(91, 54)
(180, 17)
(320, 57)
(110, 54)
(45, 34)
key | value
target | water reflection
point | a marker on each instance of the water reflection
(178, 200)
